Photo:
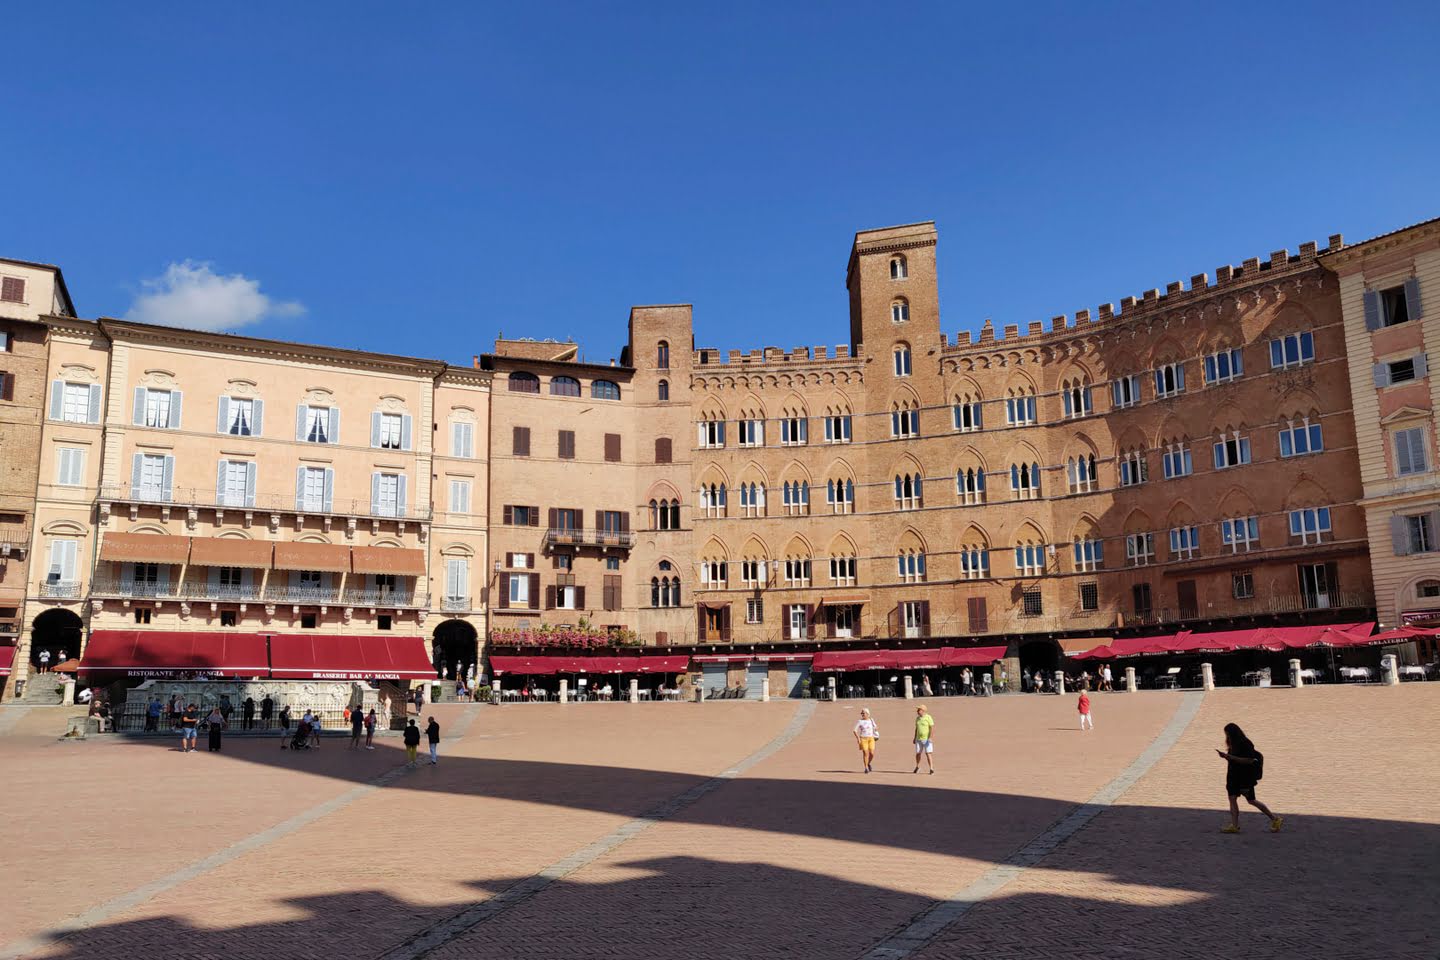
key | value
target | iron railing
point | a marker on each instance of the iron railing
(588, 536)
(60, 588)
(262, 502)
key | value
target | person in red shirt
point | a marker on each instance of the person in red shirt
(1084, 706)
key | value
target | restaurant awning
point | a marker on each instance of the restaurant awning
(853, 660)
(1398, 635)
(843, 600)
(1327, 635)
(144, 548)
(928, 659)
(972, 656)
(306, 555)
(164, 653)
(1074, 645)
(676, 664)
(535, 666)
(321, 656)
(401, 561)
(723, 657)
(231, 552)
(1144, 646)
(6, 660)
(784, 657)
(1102, 652)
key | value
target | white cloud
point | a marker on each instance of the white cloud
(193, 295)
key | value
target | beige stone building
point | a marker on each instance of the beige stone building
(28, 291)
(1390, 296)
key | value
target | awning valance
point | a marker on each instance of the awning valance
(544, 666)
(306, 555)
(330, 657)
(144, 548)
(401, 561)
(843, 600)
(164, 653)
(231, 552)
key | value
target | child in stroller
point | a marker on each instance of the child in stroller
(301, 740)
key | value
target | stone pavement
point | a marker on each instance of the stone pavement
(744, 829)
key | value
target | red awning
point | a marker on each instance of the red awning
(6, 660)
(162, 653)
(930, 659)
(1398, 635)
(1102, 652)
(1328, 635)
(536, 666)
(972, 656)
(1139, 646)
(853, 660)
(723, 657)
(664, 664)
(316, 656)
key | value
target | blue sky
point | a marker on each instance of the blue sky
(416, 178)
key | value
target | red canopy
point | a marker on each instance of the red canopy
(678, 664)
(544, 666)
(1102, 652)
(537, 666)
(1140, 646)
(318, 656)
(971, 656)
(165, 653)
(853, 660)
(929, 659)
(5, 660)
(1398, 635)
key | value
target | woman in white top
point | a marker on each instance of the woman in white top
(866, 733)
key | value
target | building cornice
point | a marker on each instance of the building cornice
(1357, 253)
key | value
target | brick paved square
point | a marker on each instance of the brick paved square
(601, 830)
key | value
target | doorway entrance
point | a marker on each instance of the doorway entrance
(454, 649)
(1041, 656)
(56, 631)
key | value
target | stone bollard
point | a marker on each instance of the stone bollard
(1296, 679)
(831, 686)
(699, 693)
(765, 690)
(69, 694)
(1390, 670)
(1207, 676)
(564, 691)
(909, 688)
(1130, 684)
(495, 691)
(1060, 682)
(634, 690)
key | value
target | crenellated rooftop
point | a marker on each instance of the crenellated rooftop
(710, 356)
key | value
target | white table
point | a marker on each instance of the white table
(1414, 670)
(1355, 674)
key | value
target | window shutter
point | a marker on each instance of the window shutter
(625, 520)
(509, 517)
(250, 471)
(1372, 309)
(300, 422)
(220, 481)
(329, 488)
(550, 597)
(222, 415)
(1434, 530)
(721, 433)
(7, 386)
(534, 591)
(550, 519)
(137, 412)
(177, 400)
(257, 422)
(662, 450)
(1382, 375)
(504, 601)
(135, 466)
(57, 398)
(580, 598)
(401, 494)
(925, 618)
(612, 447)
(804, 430)
(375, 421)
(534, 516)
(1179, 376)
(168, 476)
(1422, 366)
(94, 403)
(407, 423)
(1403, 462)
(375, 493)
(1412, 298)
(334, 420)
(299, 487)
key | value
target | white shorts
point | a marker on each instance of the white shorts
(924, 746)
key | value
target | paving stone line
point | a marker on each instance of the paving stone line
(427, 941)
(128, 901)
(929, 923)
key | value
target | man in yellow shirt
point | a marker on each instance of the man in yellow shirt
(924, 747)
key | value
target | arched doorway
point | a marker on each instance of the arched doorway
(455, 647)
(1041, 656)
(58, 631)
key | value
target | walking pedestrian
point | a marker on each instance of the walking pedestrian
(216, 721)
(1105, 683)
(152, 716)
(432, 734)
(267, 710)
(173, 711)
(1084, 707)
(314, 718)
(370, 729)
(412, 742)
(419, 700)
(924, 745)
(1246, 766)
(247, 709)
(284, 722)
(866, 733)
(189, 725)
(226, 707)
(925, 690)
(357, 726)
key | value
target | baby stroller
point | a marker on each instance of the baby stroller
(301, 740)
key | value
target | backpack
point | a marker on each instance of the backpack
(1259, 766)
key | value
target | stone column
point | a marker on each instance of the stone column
(1390, 670)
(1207, 676)
(909, 688)
(634, 690)
(765, 690)
(564, 691)
(1060, 682)
(1296, 680)
(1130, 684)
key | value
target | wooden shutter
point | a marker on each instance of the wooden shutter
(7, 386)
(612, 592)
(566, 444)
(612, 447)
(1412, 298)
(924, 618)
(520, 445)
(724, 617)
(1382, 375)
(978, 616)
(580, 598)
(550, 597)
(1422, 367)
(509, 516)
(550, 519)
(1372, 310)
(829, 613)
(1332, 581)
(625, 520)
(701, 611)
(810, 620)
(534, 591)
(534, 516)
(662, 450)
(504, 601)
(1185, 594)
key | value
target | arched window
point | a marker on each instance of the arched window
(911, 565)
(664, 515)
(1427, 589)
(840, 495)
(970, 485)
(665, 591)
(1134, 467)
(904, 419)
(662, 391)
(909, 492)
(1030, 559)
(564, 387)
(522, 382)
(604, 390)
(974, 561)
(662, 355)
(1080, 471)
(967, 413)
(712, 500)
(902, 359)
(898, 269)
(1025, 480)
(1020, 406)
(752, 499)
(1075, 395)
(899, 310)
(796, 497)
(1089, 553)
(714, 574)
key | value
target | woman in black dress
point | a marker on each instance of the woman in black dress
(1246, 766)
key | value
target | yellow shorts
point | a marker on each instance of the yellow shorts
(867, 743)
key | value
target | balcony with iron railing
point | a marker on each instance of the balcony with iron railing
(589, 536)
(390, 598)
(210, 499)
(60, 589)
(108, 586)
(456, 604)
